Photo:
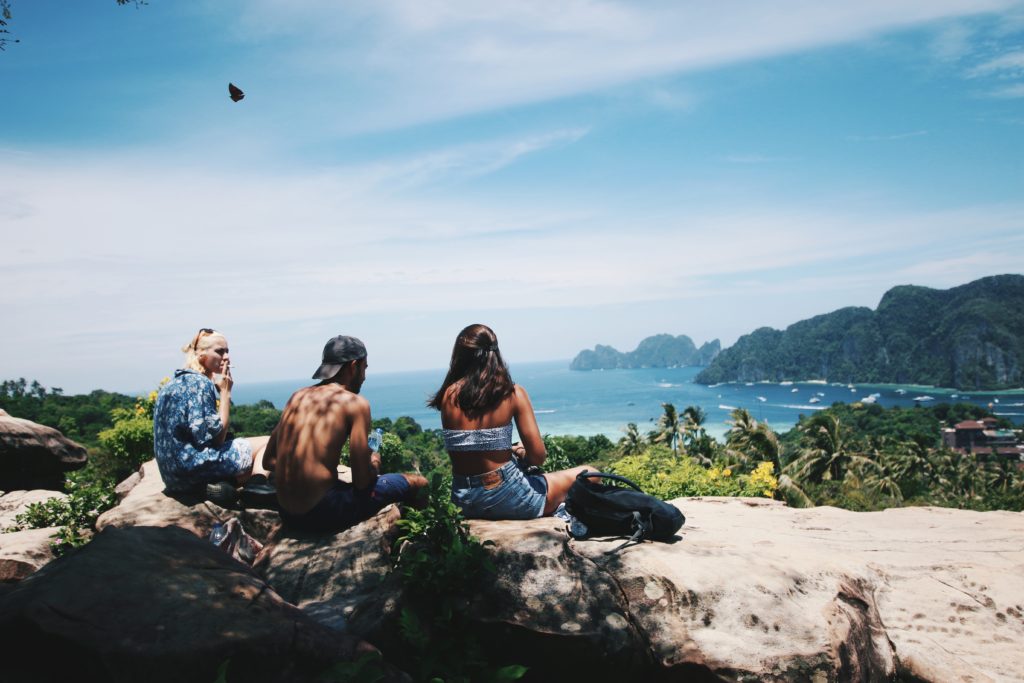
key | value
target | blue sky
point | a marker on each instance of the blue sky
(571, 173)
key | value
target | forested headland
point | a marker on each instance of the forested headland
(966, 337)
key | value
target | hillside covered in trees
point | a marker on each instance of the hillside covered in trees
(659, 351)
(967, 337)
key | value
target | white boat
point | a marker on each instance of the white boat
(814, 399)
(787, 383)
(749, 384)
(901, 391)
(821, 393)
(725, 407)
(793, 390)
(954, 395)
(762, 399)
(995, 400)
(924, 398)
(868, 399)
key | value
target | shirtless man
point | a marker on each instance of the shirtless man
(305, 448)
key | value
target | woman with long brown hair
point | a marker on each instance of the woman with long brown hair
(478, 403)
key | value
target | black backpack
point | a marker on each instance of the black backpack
(609, 510)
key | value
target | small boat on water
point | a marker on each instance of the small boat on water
(749, 384)
(786, 383)
(725, 407)
(902, 391)
(821, 393)
(814, 399)
(869, 399)
(762, 399)
(793, 390)
(924, 398)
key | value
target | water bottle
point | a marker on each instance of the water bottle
(375, 439)
(218, 533)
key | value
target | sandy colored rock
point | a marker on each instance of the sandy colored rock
(22, 553)
(752, 591)
(146, 504)
(34, 456)
(158, 604)
(13, 503)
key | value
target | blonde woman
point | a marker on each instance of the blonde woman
(190, 428)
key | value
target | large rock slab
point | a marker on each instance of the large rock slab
(158, 604)
(13, 503)
(753, 590)
(34, 456)
(24, 552)
(329, 575)
(146, 504)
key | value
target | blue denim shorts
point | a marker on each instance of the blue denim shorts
(505, 493)
(343, 506)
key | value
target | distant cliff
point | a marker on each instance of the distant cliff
(969, 337)
(659, 351)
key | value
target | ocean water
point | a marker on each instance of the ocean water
(604, 401)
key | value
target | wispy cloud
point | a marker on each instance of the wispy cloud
(753, 159)
(1009, 65)
(445, 59)
(1008, 92)
(887, 137)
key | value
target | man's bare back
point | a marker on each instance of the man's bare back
(305, 447)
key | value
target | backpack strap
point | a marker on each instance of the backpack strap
(607, 475)
(640, 529)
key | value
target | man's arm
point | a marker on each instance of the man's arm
(365, 463)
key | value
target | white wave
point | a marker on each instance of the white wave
(807, 407)
(546, 412)
(725, 407)
(666, 385)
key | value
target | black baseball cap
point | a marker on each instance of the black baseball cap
(338, 351)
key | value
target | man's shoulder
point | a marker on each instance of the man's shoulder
(323, 395)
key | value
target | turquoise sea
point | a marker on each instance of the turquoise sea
(602, 402)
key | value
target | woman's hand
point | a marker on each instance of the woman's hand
(224, 381)
(519, 450)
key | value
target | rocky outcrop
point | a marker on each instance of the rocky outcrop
(753, 590)
(658, 351)
(22, 553)
(967, 337)
(158, 604)
(146, 504)
(34, 456)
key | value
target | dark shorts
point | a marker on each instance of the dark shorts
(343, 506)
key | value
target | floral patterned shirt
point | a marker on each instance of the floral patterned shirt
(185, 423)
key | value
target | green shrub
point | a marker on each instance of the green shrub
(440, 564)
(660, 473)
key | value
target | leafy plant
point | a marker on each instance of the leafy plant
(440, 563)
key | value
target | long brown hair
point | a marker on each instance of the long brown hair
(477, 363)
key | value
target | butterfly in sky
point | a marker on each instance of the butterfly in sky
(235, 92)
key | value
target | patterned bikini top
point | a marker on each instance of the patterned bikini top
(489, 439)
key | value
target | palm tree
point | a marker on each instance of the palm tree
(748, 439)
(670, 428)
(633, 442)
(827, 455)
(884, 470)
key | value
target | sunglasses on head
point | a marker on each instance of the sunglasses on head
(199, 335)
